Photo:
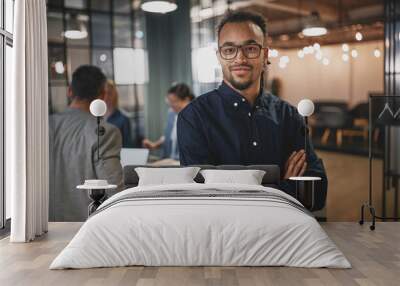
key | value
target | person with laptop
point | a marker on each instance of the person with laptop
(178, 97)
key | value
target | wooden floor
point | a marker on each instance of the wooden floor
(348, 186)
(375, 257)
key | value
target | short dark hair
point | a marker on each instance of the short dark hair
(243, 16)
(181, 90)
(87, 82)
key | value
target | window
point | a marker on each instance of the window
(114, 34)
(6, 43)
(109, 34)
(206, 70)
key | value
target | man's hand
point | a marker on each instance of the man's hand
(296, 165)
(146, 143)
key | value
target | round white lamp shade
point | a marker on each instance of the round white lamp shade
(305, 107)
(98, 108)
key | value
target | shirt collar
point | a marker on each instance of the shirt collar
(74, 110)
(233, 97)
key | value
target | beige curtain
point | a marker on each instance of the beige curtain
(27, 124)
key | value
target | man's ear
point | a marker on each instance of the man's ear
(70, 94)
(266, 54)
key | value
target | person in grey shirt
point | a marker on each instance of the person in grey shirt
(73, 148)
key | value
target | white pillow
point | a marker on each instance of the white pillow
(165, 176)
(248, 177)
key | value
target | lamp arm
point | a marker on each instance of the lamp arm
(98, 139)
(305, 134)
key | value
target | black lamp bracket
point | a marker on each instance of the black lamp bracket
(100, 131)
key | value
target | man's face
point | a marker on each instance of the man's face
(241, 72)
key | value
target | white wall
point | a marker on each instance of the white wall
(350, 81)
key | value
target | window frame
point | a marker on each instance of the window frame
(135, 16)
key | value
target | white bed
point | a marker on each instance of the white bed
(204, 231)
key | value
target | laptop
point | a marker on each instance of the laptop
(134, 156)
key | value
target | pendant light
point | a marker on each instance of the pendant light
(160, 6)
(313, 26)
(76, 30)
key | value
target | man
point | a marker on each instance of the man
(239, 123)
(178, 97)
(73, 148)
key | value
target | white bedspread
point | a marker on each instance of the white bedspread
(200, 231)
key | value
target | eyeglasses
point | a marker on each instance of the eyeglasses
(250, 51)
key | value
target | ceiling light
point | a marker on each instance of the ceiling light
(75, 34)
(359, 36)
(308, 50)
(377, 53)
(313, 26)
(59, 67)
(161, 6)
(316, 46)
(206, 13)
(325, 61)
(284, 37)
(318, 56)
(345, 57)
(354, 53)
(314, 31)
(103, 57)
(284, 59)
(139, 34)
(345, 48)
(282, 65)
(76, 30)
(273, 53)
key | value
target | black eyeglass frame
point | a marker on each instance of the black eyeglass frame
(241, 48)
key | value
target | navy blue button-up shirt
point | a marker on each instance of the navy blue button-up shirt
(222, 127)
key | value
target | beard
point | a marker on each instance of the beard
(240, 84)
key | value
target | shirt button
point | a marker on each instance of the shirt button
(249, 114)
(257, 106)
(235, 104)
(243, 99)
(254, 143)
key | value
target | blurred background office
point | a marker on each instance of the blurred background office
(335, 53)
(144, 53)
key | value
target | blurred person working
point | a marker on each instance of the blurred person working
(239, 123)
(178, 97)
(73, 148)
(115, 117)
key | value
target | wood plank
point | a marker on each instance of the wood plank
(375, 257)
